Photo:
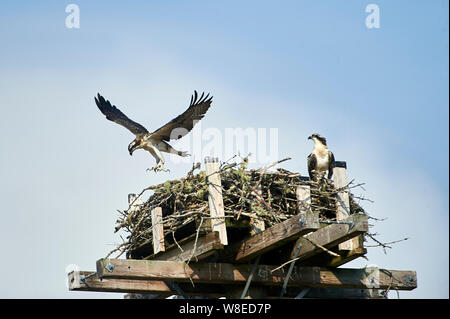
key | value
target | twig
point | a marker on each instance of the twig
(384, 245)
(315, 244)
(322, 247)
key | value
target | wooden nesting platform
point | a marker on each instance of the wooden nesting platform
(295, 258)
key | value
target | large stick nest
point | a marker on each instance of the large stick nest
(247, 193)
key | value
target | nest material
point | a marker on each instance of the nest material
(270, 197)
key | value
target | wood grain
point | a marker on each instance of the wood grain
(221, 273)
(215, 200)
(276, 236)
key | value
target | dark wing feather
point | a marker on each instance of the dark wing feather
(312, 164)
(186, 121)
(112, 113)
(330, 164)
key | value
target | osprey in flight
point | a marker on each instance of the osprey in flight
(156, 142)
(321, 159)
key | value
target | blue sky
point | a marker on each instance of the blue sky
(380, 96)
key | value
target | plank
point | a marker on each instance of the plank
(205, 246)
(343, 202)
(291, 268)
(215, 198)
(158, 230)
(221, 273)
(276, 236)
(160, 290)
(348, 293)
(149, 289)
(331, 235)
(115, 285)
(327, 260)
(346, 256)
(340, 181)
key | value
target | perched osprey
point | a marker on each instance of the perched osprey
(156, 142)
(321, 159)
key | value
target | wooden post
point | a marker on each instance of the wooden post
(158, 230)
(303, 193)
(216, 209)
(343, 202)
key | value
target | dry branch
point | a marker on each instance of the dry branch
(185, 200)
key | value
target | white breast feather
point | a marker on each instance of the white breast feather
(322, 161)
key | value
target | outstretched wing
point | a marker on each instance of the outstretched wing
(112, 113)
(186, 121)
(330, 164)
(312, 164)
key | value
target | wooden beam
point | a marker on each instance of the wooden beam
(215, 199)
(276, 236)
(134, 286)
(331, 235)
(206, 245)
(158, 230)
(94, 283)
(249, 279)
(133, 295)
(219, 273)
(144, 288)
(343, 202)
(340, 181)
(324, 259)
(336, 293)
(154, 289)
(291, 267)
(346, 256)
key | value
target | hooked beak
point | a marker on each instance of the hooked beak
(133, 146)
(310, 137)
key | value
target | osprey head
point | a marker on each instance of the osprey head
(318, 138)
(134, 146)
